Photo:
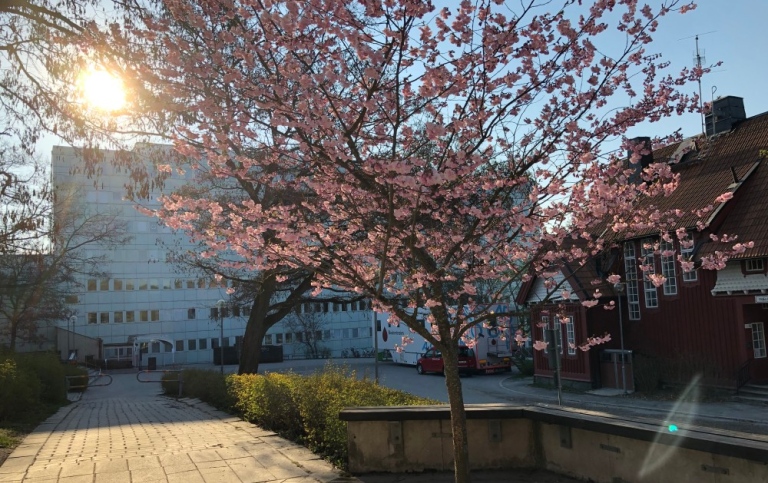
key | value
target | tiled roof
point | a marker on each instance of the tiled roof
(709, 171)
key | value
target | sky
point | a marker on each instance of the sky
(733, 32)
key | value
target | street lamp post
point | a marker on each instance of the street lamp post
(71, 333)
(220, 305)
(620, 289)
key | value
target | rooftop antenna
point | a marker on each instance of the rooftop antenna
(699, 59)
(712, 106)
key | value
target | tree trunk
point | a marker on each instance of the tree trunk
(255, 330)
(13, 335)
(458, 417)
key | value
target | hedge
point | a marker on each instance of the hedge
(304, 409)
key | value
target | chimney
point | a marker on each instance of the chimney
(641, 145)
(726, 111)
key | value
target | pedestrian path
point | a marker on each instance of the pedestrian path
(127, 433)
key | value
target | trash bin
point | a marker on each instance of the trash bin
(151, 363)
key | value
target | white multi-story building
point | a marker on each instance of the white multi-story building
(146, 300)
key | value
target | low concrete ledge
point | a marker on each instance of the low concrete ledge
(578, 443)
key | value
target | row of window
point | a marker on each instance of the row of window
(647, 260)
(328, 334)
(556, 326)
(153, 315)
(120, 284)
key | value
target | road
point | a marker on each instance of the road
(509, 388)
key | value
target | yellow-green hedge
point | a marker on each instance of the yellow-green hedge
(302, 408)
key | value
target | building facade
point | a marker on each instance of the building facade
(145, 301)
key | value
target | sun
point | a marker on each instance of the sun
(102, 90)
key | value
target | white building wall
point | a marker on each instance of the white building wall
(166, 298)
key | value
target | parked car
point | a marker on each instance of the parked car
(432, 361)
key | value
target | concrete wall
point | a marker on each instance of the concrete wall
(85, 346)
(576, 443)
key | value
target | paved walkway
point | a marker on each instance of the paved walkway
(128, 433)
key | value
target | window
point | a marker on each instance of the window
(651, 294)
(570, 335)
(143, 316)
(544, 327)
(104, 317)
(238, 341)
(268, 339)
(630, 270)
(190, 284)
(91, 317)
(299, 337)
(129, 284)
(686, 253)
(201, 283)
(118, 284)
(246, 310)
(142, 284)
(166, 284)
(155, 347)
(203, 343)
(177, 284)
(754, 265)
(192, 344)
(345, 333)
(278, 338)
(118, 317)
(91, 284)
(153, 284)
(179, 346)
(355, 333)
(236, 311)
(191, 314)
(288, 337)
(155, 315)
(212, 283)
(104, 284)
(129, 317)
(326, 335)
(758, 340)
(558, 328)
(668, 267)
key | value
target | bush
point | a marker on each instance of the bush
(649, 372)
(302, 408)
(31, 381)
(47, 368)
(21, 389)
(208, 386)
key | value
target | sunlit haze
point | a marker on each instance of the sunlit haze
(101, 90)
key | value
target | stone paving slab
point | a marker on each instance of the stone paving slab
(155, 439)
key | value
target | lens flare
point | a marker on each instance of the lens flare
(102, 90)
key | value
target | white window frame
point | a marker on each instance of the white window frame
(570, 334)
(649, 261)
(630, 272)
(754, 265)
(668, 268)
(758, 340)
(545, 326)
(687, 255)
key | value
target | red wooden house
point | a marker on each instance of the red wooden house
(704, 321)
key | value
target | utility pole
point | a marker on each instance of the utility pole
(220, 305)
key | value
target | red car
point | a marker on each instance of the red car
(432, 361)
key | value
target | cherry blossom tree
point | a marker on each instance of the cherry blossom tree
(416, 152)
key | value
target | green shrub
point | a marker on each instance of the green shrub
(49, 371)
(302, 408)
(208, 386)
(21, 389)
